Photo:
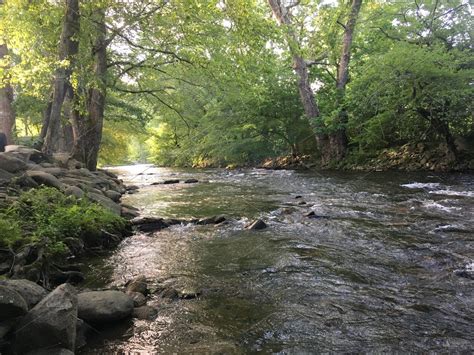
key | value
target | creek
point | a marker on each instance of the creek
(385, 264)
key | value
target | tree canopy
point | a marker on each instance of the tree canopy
(213, 82)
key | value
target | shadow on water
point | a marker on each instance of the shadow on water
(377, 275)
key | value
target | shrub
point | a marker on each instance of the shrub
(46, 215)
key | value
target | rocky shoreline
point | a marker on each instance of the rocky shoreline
(33, 320)
(23, 169)
(408, 157)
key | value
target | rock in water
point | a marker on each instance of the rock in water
(51, 323)
(138, 299)
(104, 306)
(169, 182)
(31, 292)
(191, 181)
(257, 225)
(145, 313)
(138, 284)
(11, 304)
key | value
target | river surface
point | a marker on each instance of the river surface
(385, 268)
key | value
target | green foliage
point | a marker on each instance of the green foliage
(48, 216)
(211, 82)
(10, 230)
(410, 93)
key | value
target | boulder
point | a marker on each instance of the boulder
(54, 171)
(26, 153)
(6, 327)
(10, 163)
(24, 181)
(11, 304)
(149, 224)
(73, 191)
(211, 220)
(43, 178)
(191, 181)
(51, 323)
(129, 213)
(138, 284)
(105, 202)
(171, 181)
(138, 298)
(5, 175)
(257, 225)
(31, 292)
(144, 313)
(113, 195)
(82, 328)
(104, 306)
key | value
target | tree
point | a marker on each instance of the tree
(7, 114)
(338, 140)
(68, 49)
(87, 126)
(332, 144)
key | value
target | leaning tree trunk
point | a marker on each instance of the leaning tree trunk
(68, 49)
(87, 129)
(7, 114)
(300, 66)
(338, 139)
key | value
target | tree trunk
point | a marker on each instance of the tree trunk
(68, 49)
(338, 139)
(300, 66)
(7, 115)
(87, 130)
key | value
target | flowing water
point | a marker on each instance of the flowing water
(386, 267)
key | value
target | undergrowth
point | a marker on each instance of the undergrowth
(47, 216)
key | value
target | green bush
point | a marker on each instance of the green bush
(48, 216)
(10, 231)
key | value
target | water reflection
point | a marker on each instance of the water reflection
(377, 275)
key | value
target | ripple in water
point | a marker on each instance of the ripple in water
(387, 270)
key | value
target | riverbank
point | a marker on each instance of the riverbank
(54, 211)
(408, 157)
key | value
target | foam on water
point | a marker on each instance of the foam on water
(422, 185)
(453, 193)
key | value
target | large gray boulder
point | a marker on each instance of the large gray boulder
(73, 191)
(5, 175)
(43, 178)
(105, 202)
(51, 323)
(11, 304)
(26, 153)
(104, 306)
(31, 292)
(10, 163)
